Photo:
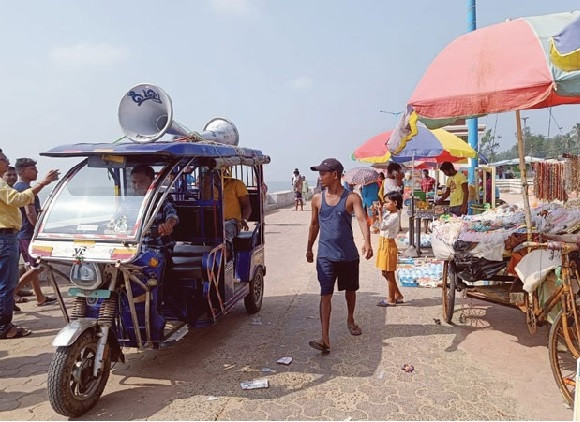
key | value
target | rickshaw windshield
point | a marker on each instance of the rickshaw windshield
(95, 203)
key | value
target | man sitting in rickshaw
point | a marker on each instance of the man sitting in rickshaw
(237, 207)
(165, 220)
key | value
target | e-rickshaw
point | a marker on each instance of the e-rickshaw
(129, 295)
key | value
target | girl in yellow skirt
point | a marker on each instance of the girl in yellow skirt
(387, 253)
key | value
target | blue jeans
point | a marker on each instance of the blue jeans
(9, 255)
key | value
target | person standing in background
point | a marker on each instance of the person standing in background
(297, 188)
(27, 172)
(457, 190)
(304, 188)
(10, 177)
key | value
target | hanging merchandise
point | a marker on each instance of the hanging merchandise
(549, 181)
(572, 172)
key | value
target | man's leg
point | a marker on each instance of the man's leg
(31, 276)
(350, 297)
(9, 255)
(325, 309)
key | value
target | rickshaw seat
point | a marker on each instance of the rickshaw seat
(190, 250)
(244, 241)
(187, 261)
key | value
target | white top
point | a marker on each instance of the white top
(390, 185)
(390, 225)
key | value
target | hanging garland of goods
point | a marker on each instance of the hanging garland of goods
(550, 181)
(572, 171)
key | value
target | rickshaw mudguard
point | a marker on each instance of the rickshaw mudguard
(72, 331)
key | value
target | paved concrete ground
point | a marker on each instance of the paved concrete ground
(490, 367)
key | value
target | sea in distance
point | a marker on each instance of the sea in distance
(279, 186)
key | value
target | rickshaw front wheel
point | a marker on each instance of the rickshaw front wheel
(562, 360)
(72, 388)
(253, 300)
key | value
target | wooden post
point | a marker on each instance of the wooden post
(523, 176)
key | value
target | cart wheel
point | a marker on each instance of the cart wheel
(562, 359)
(448, 284)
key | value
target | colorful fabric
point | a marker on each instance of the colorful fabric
(387, 254)
(438, 145)
(498, 68)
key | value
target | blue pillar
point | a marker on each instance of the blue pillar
(472, 123)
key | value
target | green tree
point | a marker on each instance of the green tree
(488, 146)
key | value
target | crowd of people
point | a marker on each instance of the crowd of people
(18, 206)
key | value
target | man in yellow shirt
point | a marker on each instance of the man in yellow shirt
(10, 222)
(457, 190)
(237, 207)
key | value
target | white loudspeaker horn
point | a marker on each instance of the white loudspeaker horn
(221, 130)
(146, 114)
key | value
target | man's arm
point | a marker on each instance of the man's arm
(30, 211)
(314, 227)
(444, 196)
(171, 220)
(246, 207)
(465, 190)
(360, 215)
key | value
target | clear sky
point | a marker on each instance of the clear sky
(301, 79)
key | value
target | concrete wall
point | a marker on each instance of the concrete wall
(282, 199)
(512, 185)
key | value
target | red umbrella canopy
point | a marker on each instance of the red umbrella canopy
(502, 67)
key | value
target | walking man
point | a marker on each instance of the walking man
(338, 257)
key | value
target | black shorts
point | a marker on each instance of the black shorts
(297, 195)
(345, 271)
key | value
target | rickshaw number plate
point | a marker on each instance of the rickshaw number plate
(96, 294)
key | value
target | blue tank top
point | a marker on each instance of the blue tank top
(336, 242)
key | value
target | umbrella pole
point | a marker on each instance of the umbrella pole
(523, 176)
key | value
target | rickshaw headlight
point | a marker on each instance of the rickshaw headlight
(85, 275)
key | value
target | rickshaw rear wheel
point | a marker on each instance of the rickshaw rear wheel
(448, 286)
(562, 360)
(253, 300)
(72, 388)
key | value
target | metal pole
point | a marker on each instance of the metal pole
(472, 123)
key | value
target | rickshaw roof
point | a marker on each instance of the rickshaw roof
(172, 149)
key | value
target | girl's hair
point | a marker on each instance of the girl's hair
(395, 197)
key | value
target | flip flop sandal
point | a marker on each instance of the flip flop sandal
(355, 330)
(400, 301)
(318, 345)
(384, 304)
(48, 301)
(20, 332)
(18, 299)
(25, 293)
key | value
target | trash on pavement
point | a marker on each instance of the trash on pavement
(212, 398)
(267, 370)
(286, 360)
(256, 321)
(437, 321)
(251, 385)
(407, 368)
